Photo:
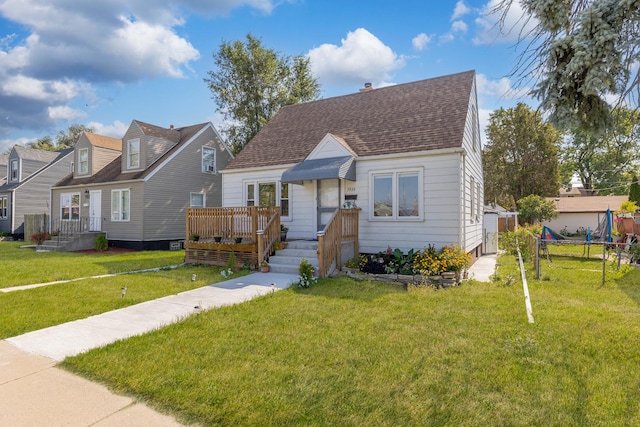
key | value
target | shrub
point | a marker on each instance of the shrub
(306, 270)
(40, 237)
(231, 262)
(101, 243)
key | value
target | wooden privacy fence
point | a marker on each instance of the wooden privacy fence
(35, 223)
(341, 228)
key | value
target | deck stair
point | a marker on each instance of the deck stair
(73, 242)
(288, 260)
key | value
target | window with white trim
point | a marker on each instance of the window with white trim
(133, 153)
(251, 196)
(197, 200)
(479, 203)
(70, 206)
(208, 159)
(14, 171)
(4, 205)
(396, 195)
(472, 203)
(120, 205)
(83, 161)
(269, 193)
(284, 199)
(474, 127)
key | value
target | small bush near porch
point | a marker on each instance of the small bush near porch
(361, 353)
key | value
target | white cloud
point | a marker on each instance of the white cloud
(460, 10)
(116, 130)
(64, 112)
(421, 41)
(459, 27)
(499, 88)
(515, 25)
(361, 57)
(6, 144)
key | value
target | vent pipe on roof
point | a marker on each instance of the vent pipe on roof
(367, 87)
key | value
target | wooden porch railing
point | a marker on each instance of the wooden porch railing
(228, 223)
(342, 227)
(268, 236)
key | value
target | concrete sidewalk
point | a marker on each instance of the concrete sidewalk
(483, 268)
(34, 392)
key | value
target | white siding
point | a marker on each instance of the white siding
(440, 225)
(472, 226)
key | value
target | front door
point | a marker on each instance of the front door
(95, 210)
(328, 200)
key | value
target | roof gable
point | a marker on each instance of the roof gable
(419, 116)
(330, 146)
(104, 141)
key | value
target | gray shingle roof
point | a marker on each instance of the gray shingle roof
(418, 116)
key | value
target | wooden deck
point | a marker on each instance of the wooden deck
(258, 228)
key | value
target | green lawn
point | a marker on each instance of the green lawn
(26, 266)
(363, 353)
(38, 308)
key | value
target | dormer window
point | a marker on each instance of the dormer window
(133, 153)
(208, 160)
(14, 170)
(83, 161)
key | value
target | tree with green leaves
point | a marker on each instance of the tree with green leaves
(634, 190)
(605, 160)
(520, 157)
(581, 52)
(65, 139)
(533, 209)
(251, 83)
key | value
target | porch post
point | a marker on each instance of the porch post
(254, 224)
(321, 254)
(260, 235)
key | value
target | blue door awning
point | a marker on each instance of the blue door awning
(331, 168)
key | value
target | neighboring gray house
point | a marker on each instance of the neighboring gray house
(139, 196)
(30, 175)
(408, 155)
(3, 168)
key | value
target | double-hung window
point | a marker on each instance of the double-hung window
(133, 153)
(269, 193)
(120, 204)
(83, 161)
(70, 206)
(472, 204)
(397, 195)
(4, 205)
(14, 170)
(208, 160)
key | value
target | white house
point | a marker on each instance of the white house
(408, 156)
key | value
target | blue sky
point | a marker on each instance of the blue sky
(106, 63)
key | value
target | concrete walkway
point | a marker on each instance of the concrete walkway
(483, 268)
(34, 392)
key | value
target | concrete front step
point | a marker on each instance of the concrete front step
(288, 260)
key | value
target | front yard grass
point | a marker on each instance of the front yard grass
(26, 266)
(38, 308)
(363, 353)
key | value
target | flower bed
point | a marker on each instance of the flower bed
(431, 267)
